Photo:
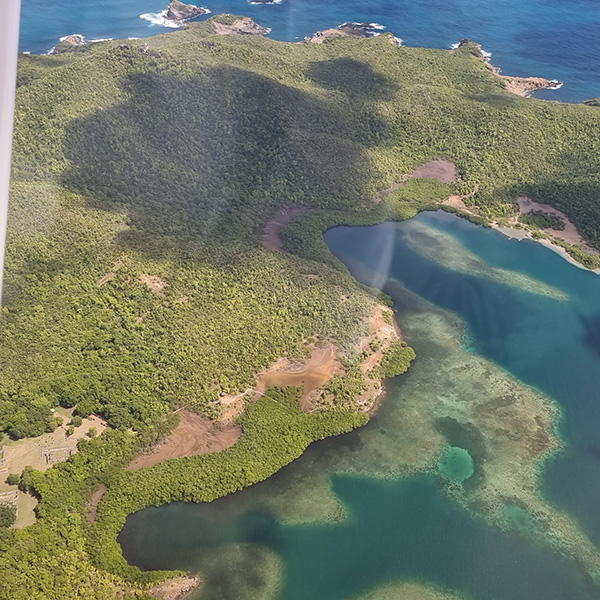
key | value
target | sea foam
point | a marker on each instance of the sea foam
(160, 18)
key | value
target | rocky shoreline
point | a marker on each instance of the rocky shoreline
(241, 26)
(348, 29)
(521, 86)
(177, 588)
(182, 13)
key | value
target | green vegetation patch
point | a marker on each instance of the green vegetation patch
(274, 434)
(8, 514)
(396, 359)
(542, 220)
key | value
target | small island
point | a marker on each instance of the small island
(182, 13)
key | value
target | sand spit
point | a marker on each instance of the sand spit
(194, 435)
(570, 234)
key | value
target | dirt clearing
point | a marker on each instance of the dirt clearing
(270, 237)
(193, 436)
(308, 375)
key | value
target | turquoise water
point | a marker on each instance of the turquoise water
(557, 39)
(440, 487)
(401, 529)
(554, 346)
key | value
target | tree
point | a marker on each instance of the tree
(92, 432)
(8, 514)
(77, 421)
(12, 479)
(26, 480)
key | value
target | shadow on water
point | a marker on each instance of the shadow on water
(591, 326)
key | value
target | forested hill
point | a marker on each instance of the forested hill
(136, 281)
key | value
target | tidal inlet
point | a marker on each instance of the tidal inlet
(444, 493)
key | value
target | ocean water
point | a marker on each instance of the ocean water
(504, 331)
(556, 39)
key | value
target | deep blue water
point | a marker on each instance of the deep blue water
(557, 39)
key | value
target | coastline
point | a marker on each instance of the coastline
(521, 86)
(457, 204)
(521, 234)
(518, 85)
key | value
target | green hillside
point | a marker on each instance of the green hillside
(160, 169)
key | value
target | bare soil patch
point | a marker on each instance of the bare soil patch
(243, 26)
(176, 588)
(25, 510)
(309, 375)
(285, 215)
(43, 451)
(232, 405)
(111, 274)
(569, 234)
(193, 436)
(153, 283)
(92, 505)
(383, 330)
(441, 169)
(324, 364)
(456, 202)
(523, 86)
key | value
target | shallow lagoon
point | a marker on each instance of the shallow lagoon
(374, 509)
